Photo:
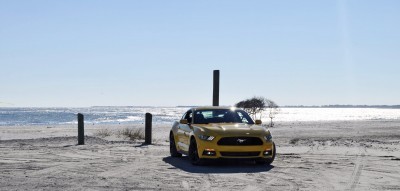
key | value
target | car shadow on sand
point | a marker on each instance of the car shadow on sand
(217, 166)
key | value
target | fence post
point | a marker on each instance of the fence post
(148, 124)
(81, 132)
(216, 88)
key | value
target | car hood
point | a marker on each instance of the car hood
(234, 129)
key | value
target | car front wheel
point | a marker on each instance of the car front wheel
(193, 153)
(172, 147)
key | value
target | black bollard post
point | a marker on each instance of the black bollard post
(81, 132)
(216, 88)
(148, 124)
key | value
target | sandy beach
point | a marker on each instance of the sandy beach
(330, 155)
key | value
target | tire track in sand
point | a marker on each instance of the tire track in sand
(358, 167)
(281, 175)
(285, 173)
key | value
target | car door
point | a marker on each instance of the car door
(184, 132)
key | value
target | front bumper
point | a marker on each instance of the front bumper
(211, 150)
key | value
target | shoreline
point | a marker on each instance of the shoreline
(336, 128)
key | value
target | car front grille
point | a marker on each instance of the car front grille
(240, 141)
(240, 154)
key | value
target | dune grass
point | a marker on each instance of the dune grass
(126, 133)
(103, 133)
(132, 133)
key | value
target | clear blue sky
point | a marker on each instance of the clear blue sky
(162, 53)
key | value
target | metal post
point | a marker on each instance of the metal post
(216, 88)
(81, 131)
(147, 131)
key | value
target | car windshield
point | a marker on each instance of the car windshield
(222, 116)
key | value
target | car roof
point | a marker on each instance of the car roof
(212, 108)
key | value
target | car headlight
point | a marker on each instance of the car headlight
(206, 137)
(268, 137)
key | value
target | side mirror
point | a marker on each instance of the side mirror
(183, 121)
(258, 122)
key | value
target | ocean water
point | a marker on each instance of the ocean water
(95, 115)
(167, 115)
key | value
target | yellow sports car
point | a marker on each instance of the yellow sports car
(221, 132)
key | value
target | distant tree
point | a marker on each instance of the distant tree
(252, 106)
(256, 105)
(273, 110)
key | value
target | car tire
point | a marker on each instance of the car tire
(193, 153)
(270, 160)
(172, 147)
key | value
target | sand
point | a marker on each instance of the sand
(333, 155)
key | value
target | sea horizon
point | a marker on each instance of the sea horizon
(191, 106)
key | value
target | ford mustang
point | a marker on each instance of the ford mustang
(221, 132)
